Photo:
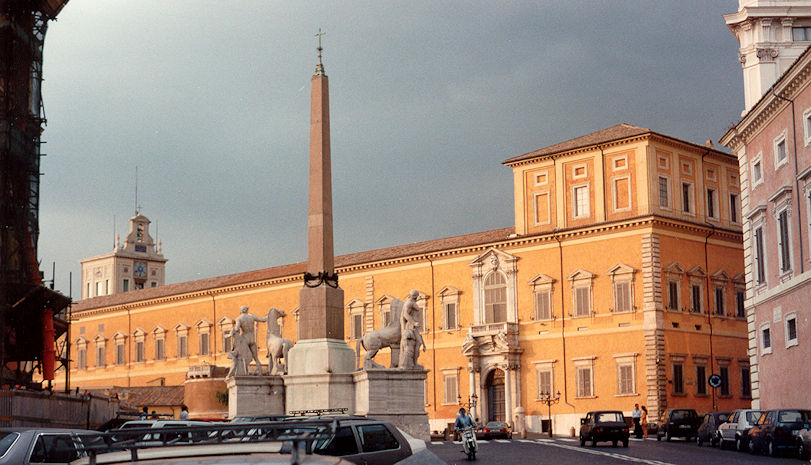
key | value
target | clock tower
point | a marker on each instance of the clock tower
(136, 264)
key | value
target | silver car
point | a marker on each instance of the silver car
(735, 430)
(23, 445)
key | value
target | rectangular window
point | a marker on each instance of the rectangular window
(160, 349)
(106, 287)
(581, 202)
(582, 301)
(204, 348)
(687, 197)
(625, 379)
(622, 297)
(711, 204)
(120, 354)
(449, 313)
(766, 339)
(100, 356)
(734, 208)
(139, 351)
(783, 244)
(746, 382)
(695, 298)
(740, 311)
(542, 210)
(760, 259)
(543, 305)
(544, 382)
(800, 34)
(584, 381)
(81, 358)
(723, 372)
(126, 286)
(622, 193)
(780, 152)
(451, 389)
(791, 330)
(227, 341)
(673, 295)
(664, 193)
(719, 301)
(182, 346)
(757, 172)
(357, 326)
(701, 380)
(98, 288)
(678, 378)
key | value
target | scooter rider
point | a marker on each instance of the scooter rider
(463, 420)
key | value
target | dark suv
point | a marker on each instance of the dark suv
(678, 423)
(604, 425)
(777, 430)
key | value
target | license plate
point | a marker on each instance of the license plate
(796, 432)
(684, 426)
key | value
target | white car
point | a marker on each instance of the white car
(736, 428)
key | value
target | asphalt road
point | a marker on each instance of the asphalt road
(568, 451)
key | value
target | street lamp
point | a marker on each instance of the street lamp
(547, 399)
(470, 404)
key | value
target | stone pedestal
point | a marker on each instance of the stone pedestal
(394, 395)
(319, 375)
(255, 395)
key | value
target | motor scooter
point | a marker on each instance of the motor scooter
(469, 443)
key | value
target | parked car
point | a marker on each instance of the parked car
(23, 446)
(736, 429)
(678, 423)
(494, 430)
(777, 430)
(708, 430)
(604, 425)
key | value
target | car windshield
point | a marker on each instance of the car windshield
(722, 417)
(607, 417)
(6, 440)
(751, 417)
(681, 414)
(793, 416)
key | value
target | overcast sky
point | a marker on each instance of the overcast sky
(210, 100)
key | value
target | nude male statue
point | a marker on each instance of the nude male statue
(245, 324)
(411, 338)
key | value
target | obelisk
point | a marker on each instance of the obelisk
(320, 363)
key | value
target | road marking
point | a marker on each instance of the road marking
(526, 440)
(567, 439)
(437, 443)
(626, 458)
(500, 440)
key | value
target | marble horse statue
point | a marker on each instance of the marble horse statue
(389, 336)
(276, 344)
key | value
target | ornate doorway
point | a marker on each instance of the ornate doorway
(494, 385)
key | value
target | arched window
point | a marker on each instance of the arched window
(495, 298)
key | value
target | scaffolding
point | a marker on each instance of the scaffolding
(32, 316)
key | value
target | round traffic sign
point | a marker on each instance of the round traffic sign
(715, 381)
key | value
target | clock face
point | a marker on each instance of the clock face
(140, 269)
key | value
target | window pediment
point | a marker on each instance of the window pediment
(620, 269)
(581, 275)
(447, 291)
(696, 272)
(541, 279)
(203, 323)
(354, 304)
(139, 332)
(159, 330)
(99, 338)
(182, 328)
(673, 268)
(493, 260)
(384, 300)
(119, 336)
(739, 279)
(720, 275)
(224, 321)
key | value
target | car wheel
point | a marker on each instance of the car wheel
(625, 443)
(698, 440)
(658, 437)
(593, 441)
(802, 451)
(751, 446)
(739, 444)
(582, 441)
(614, 443)
(772, 449)
(668, 437)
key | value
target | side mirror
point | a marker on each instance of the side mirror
(582, 421)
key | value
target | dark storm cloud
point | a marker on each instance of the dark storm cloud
(211, 101)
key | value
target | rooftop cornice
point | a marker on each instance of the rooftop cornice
(514, 241)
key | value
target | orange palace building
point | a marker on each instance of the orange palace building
(621, 282)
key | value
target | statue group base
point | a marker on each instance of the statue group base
(320, 375)
(393, 395)
(250, 396)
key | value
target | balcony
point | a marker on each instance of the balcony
(489, 329)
